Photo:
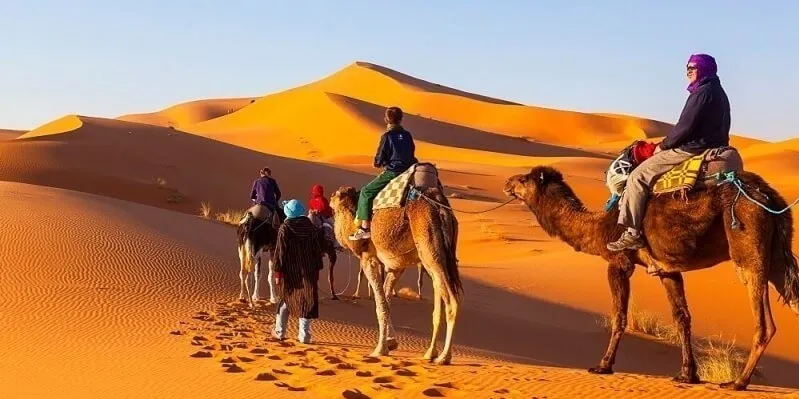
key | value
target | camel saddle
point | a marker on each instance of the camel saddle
(395, 193)
(700, 171)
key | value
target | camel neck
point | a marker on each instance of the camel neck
(561, 214)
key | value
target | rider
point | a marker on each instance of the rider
(265, 194)
(703, 124)
(395, 155)
(319, 207)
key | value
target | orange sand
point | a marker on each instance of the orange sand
(112, 280)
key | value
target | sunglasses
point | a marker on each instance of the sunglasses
(690, 68)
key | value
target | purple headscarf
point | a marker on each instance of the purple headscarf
(705, 69)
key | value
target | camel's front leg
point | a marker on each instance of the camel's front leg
(675, 290)
(619, 279)
(392, 277)
(271, 278)
(357, 293)
(257, 274)
(371, 267)
(330, 278)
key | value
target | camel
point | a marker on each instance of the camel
(256, 237)
(419, 232)
(682, 236)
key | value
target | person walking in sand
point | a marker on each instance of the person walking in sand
(265, 193)
(298, 261)
(395, 155)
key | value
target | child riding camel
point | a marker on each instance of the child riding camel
(395, 155)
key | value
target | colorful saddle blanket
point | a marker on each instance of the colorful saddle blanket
(681, 177)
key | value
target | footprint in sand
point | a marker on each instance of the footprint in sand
(291, 364)
(226, 347)
(371, 360)
(345, 366)
(326, 373)
(308, 366)
(502, 391)
(405, 373)
(246, 359)
(363, 373)
(199, 338)
(259, 351)
(433, 393)
(383, 380)
(228, 360)
(176, 332)
(354, 394)
(233, 368)
(447, 385)
(196, 343)
(332, 360)
(241, 345)
(298, 353)
(289, 387)
(265, 377)
(281, 371)
(201, 354)
(274, 357)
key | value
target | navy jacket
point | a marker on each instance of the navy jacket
(265, 191)
(396, 150)
(704, 122)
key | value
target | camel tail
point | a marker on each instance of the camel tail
(784, 269)
(449, 228)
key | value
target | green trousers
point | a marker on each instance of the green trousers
(369, 192)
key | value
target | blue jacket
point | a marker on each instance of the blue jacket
(396, 150)
(704, 122)
(265, 191)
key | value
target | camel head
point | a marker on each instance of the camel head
(527, 187)
(345, 198)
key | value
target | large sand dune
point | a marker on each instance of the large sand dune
(191, 112)
(99, 268)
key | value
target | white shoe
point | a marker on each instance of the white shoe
(361, 234)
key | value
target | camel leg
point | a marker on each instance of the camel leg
(675, 290)
(257, 274)
(392, 277)
(357, 293)
(272, 285)
(243, 294)
(432, 351)
(419, 280)
(765, 329)
(330, 279)
(371, 268)
(619, 279)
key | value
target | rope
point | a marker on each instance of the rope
(349, 277)
(730, 177)
(434, 202)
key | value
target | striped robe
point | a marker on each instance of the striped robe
(298, 260)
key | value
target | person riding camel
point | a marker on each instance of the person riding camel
(395, 155)
(265, 194)
(704, 124)
(320, 212)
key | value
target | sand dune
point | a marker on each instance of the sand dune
(191, 112)
(10, 134)
(153, 165)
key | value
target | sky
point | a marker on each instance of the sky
(104, 58)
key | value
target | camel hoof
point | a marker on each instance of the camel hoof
(443, 360)
(601, 370)
(378, 353)
(392, 344)
(242, 300)
(334, 297)
(429, 356)
(732, 386)
(687, 379)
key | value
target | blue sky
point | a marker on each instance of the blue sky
(107, 58)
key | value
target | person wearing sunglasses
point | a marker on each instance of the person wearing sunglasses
(704, 124)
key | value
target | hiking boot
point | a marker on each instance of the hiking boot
(361, 234)
(628, 240)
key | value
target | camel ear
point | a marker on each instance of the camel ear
(544, 176)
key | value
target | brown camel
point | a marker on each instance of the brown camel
(682, 235)
(420, 232)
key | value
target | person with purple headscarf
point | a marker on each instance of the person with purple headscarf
(704, 123)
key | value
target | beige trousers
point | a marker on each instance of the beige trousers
(632, 205)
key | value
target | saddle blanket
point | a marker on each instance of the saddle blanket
(681, 177)
(393, 195)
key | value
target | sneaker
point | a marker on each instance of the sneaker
(277, 337)
(361, 234)
(628, 240)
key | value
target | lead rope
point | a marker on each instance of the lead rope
(730, 177)
(415, 192)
